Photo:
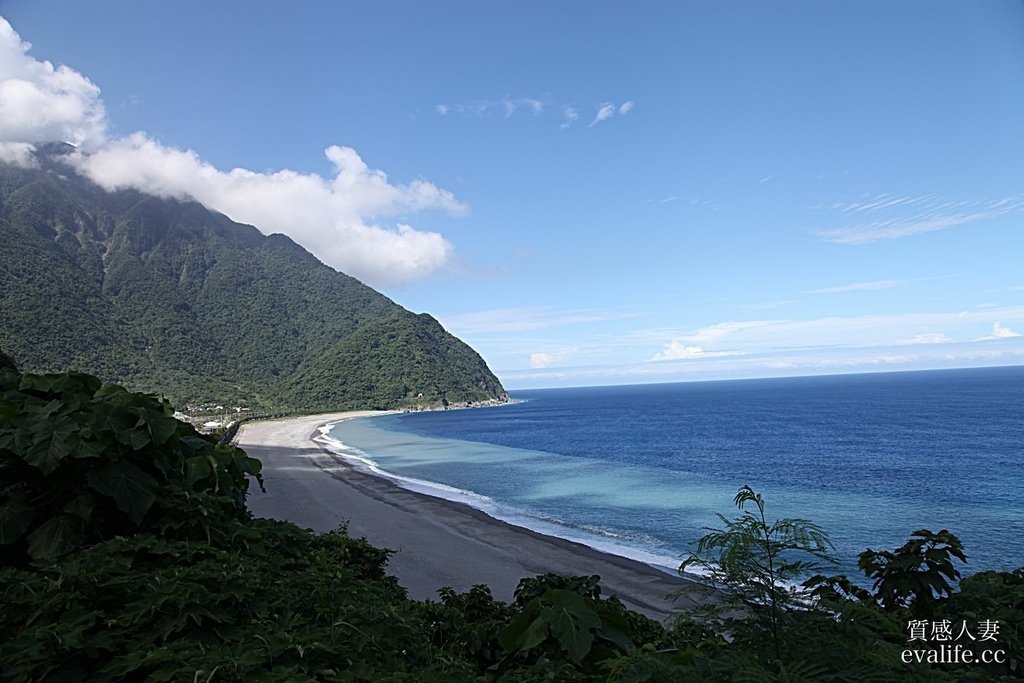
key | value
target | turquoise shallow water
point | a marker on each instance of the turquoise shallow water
(640, 470)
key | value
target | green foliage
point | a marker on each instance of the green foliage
(756, 560)
(533, 587)
(81, 461)
(998, 597)
(400, 360)
(562, 623)
(165, 296)
(916, 575)
(466, 625)
(149, 608)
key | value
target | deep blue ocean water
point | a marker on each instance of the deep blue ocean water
(640, 470)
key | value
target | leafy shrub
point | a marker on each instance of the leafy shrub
(916, 575)
(272, 603)
(466, 625)
(995, 597)
(81, 461)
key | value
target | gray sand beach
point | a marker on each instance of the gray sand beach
(437, 542)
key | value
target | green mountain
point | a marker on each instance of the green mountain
(166, 296)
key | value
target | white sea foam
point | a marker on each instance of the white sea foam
(599, 539)
(362, 462)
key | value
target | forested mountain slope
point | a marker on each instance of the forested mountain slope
(166, 296)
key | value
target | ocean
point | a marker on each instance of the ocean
(640, 471)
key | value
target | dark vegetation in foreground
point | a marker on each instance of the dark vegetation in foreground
(128, 554)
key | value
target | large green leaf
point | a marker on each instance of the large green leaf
(526, 630)
(15, 516)
(109, 418)
(571, 620)
(196, 469)
(81, 507)
(132, 489)
(51, 442)
(615, 629)
(161, 427)
(55, 537)
(136, 438)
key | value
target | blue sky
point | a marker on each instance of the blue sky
(587, 193)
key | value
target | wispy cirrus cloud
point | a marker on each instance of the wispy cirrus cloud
(869, 286)
(892, 217)
(884, 201)
(505, 107)
(607, 110)
(508, 106)
(604, 112)
(685, 200)
(859, 287)
(569, 116)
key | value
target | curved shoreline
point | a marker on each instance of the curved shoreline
(365, 460)
(438, 542)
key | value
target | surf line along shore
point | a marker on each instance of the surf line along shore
(437, 542)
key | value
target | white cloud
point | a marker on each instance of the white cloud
(330, 217)
(507, 106)
(676, 350)
(542, 360)
(604, 112)
(337, 218)
(893, 229)
(718, 331)
(42, 103)
(883, 201)
(569, 116)
(1000, 332)
(17, 153)
(510, 106)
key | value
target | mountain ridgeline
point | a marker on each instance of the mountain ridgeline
(166, 296)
